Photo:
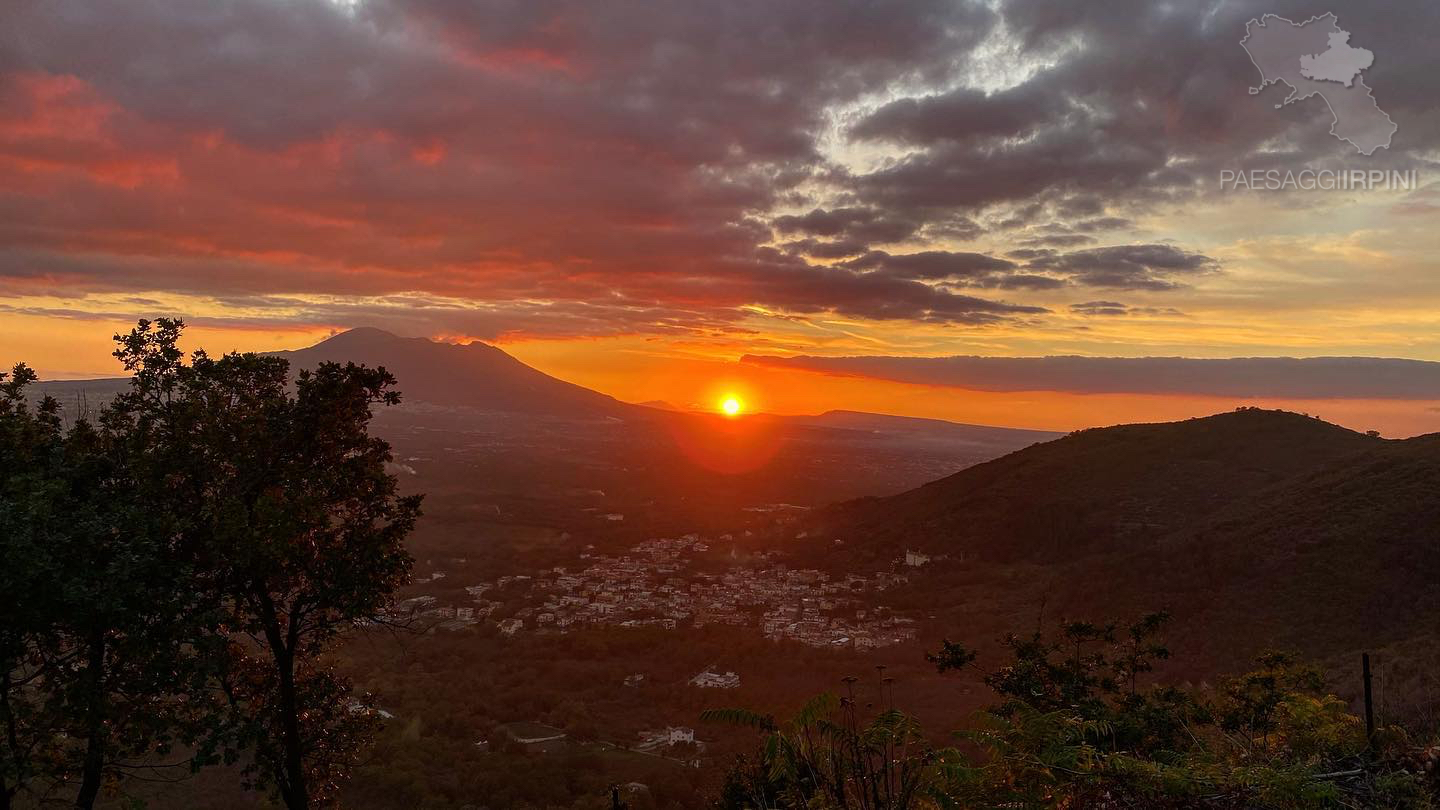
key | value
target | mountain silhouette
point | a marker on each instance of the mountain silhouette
(474, 375)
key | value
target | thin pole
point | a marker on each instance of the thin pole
(1369, 702)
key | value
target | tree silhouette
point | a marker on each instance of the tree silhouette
(295, 526)
(28, 439)
(103, 622)
(174, 572)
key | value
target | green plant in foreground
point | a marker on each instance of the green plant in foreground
(1074, 727)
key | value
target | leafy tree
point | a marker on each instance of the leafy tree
(28, 439)
(296, 527)
(174, 573)
(1252, 703)
(98, 654)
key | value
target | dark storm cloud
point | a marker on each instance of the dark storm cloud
(1100, 308)
(1278, 377)
(1136, 267)
(934, 265)
(1155, 267)
(860, 224)
(504, 152)
(962, 115)
(1103, 224)
(1115, 308)
(800, 288)
(1056, 240)
(965, 177)
(498, 152)
(1139, 102)
(1022, 281)
(962, 269)
(820, 249)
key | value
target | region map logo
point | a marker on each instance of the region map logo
(1315, 58)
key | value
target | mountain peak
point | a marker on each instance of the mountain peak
(361, 334)
(362, 338)
(474, 375)
(362, 331)
(1234, 425)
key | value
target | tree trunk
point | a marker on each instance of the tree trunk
(93, 770)
(12, 741)
(283, 641)
(298, 795)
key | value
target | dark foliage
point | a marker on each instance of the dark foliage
(1075, 727)
(177, 568)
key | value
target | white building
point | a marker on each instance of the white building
(673, 735)
(715, 680)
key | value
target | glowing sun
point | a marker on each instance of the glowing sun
(731, 406)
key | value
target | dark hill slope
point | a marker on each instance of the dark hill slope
(1097, 490)
(1348, 554)
(1256, 529)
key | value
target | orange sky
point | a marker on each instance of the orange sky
(641, 370)
(700, 383)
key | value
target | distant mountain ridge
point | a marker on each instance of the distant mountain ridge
(860, 420)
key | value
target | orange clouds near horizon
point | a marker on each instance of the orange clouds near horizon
(693, 383)
(642, 371)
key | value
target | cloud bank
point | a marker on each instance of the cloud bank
(1241, 377)
(571, 168)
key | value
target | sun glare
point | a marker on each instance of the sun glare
(731, 406)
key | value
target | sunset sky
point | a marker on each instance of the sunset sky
(666, 201)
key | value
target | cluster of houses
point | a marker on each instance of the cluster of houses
(808, 624)
(674, 582)
(446, 617)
